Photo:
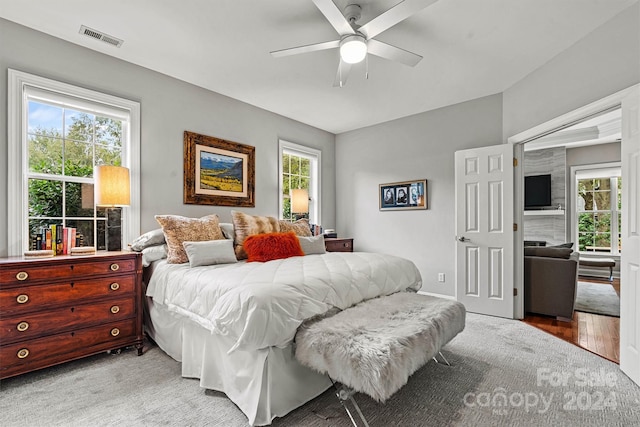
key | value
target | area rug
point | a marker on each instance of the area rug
(597, 298)
(503, 373)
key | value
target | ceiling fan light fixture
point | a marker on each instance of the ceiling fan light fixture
(353, 48)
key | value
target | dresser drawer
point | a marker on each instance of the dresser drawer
(50, 271)
(67, 318)
(38, 353)
(29, 298)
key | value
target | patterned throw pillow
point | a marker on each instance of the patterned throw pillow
(300, 227)
(270, 246)
(247, 225)
(178, 229)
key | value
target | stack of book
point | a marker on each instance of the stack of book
(316, 230)
(56, 238)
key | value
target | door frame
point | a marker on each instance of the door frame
(561, 122)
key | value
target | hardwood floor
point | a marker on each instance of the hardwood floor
(593, 332)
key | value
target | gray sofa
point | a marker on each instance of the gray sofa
(550, 281)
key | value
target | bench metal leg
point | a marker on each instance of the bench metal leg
(443, 358)
(345, 393)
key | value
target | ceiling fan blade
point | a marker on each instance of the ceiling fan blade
(344, 68)
(334, 16)
(304, 49)
(391, 17)
(392, 53)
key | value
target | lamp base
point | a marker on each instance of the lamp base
(114, 229)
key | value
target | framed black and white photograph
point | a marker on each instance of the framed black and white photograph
(403, 195)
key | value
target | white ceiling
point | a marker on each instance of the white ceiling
(471, 48)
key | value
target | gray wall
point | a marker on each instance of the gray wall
(415, 147)
(168, 107)
(602, 63)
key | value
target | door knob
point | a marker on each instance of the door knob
(463, 239)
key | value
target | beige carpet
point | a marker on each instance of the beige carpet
(492, 359)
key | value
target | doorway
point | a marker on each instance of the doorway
(571, 200)
(629, 99)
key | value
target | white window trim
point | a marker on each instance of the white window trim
(575, 170)
(313, 154)
(17, 210)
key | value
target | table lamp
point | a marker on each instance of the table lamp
(299, 203)
(112, 190)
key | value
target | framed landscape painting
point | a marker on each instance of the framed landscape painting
(218, 172)
(403, 195)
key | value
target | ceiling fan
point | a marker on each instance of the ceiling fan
(357, 41)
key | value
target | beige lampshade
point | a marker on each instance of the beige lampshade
(112, 186)
(299, 201)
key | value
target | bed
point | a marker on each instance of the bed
(232, 325)
(237, 338)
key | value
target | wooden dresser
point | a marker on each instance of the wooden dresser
(338, 245)
(57, 309)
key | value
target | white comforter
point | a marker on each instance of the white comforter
(262, 304)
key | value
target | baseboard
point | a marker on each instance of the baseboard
(451, 297)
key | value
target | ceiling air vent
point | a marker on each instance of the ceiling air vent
(98, 35)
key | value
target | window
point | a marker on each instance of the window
(299, 168)
(58, 133)
(598, 209)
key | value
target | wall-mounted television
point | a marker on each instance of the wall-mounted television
(537, 191)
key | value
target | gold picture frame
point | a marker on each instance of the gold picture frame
(218, 172)
(404, 195)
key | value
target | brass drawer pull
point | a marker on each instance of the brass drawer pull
(22, 298)
(23, 326)
(115, 332)
(23, 353)
(115, 309)
(114, 286)
(22, 275)
(114, 267)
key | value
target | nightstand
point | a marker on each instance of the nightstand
(338, 245)
(53, 310)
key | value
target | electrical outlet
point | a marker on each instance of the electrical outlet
(440, 277)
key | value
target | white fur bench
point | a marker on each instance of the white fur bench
(373, 347)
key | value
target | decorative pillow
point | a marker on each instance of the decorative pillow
(150, 238)
(178, 229)
(247, 225)
(547, 252)
(153, 253)
(300, 227)
(210, 252)
(227, 230)
(270, 246)
(312, 245)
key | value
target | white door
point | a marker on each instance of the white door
(630, 256)
(484, 229)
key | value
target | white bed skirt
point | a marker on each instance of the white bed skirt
(264, 384)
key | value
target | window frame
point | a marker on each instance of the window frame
(20, 85)
(315, 156)
(594, 169)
